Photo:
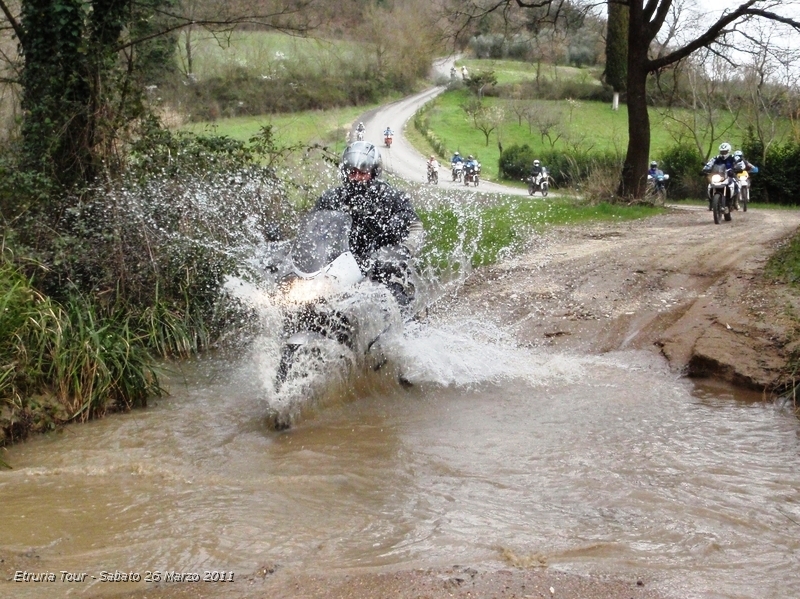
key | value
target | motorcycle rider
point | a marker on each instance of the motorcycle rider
(724, 158)
(360, 131)
(471, 165)
(657, 176)
(740, 163)
(537, 169)
(388, 132)
(387, 233)
(433, 165)
(456, 158)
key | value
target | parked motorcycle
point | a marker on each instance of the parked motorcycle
(433, 172)
(457, 171)
(333, 313)
(720, 192)
(539, 183)
(472, 173)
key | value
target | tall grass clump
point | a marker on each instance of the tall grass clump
(64, 361)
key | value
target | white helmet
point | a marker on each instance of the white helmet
(535, 163)
(363, 156)
(724, 148)
(738, 154)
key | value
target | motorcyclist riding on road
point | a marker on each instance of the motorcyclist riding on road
(387, 233)
(536, 168)
(724, 159)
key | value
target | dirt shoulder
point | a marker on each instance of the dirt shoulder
(673, 283)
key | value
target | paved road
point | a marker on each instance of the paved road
(402, 159)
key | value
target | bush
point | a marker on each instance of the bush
(566, 168)
(778, 179)
(683, 163)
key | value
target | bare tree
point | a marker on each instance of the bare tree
(485, 119)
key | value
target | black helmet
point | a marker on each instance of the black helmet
(363, 156)
(654, 164)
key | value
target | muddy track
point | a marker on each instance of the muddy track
(674, 283)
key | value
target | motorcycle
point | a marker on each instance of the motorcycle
(657, 186)
(458, 171)
(333, 313)
(433, 172)
(720, 190)
(743, 177)
(472, 173)
(538, 182)
(388, 141)
(360, 135)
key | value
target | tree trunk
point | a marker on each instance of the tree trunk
(634, 171)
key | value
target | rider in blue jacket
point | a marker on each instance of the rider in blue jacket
(724, 159)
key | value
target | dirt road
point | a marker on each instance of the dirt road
(674, 283)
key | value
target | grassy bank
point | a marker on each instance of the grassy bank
(491, 232)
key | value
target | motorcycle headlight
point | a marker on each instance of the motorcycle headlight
(300, 291)
(715, 179)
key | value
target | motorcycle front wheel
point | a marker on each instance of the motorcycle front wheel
(744, 197)
(716, 209)
(544, 190)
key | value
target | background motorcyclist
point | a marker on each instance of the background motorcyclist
(388, 132)
(723, 161)
(360, 131)
(387, 233)
(656, 176)
(537, 168)
(456, 158)
(740, 163)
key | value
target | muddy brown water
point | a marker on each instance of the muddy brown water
(590, 464)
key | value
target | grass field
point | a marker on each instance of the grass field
(262, 53)
(591, 126)
(517, 71)
(325, 127)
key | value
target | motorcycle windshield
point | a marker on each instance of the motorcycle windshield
(323, 237)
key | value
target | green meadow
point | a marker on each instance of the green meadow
(263, 53)
(517, 71)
